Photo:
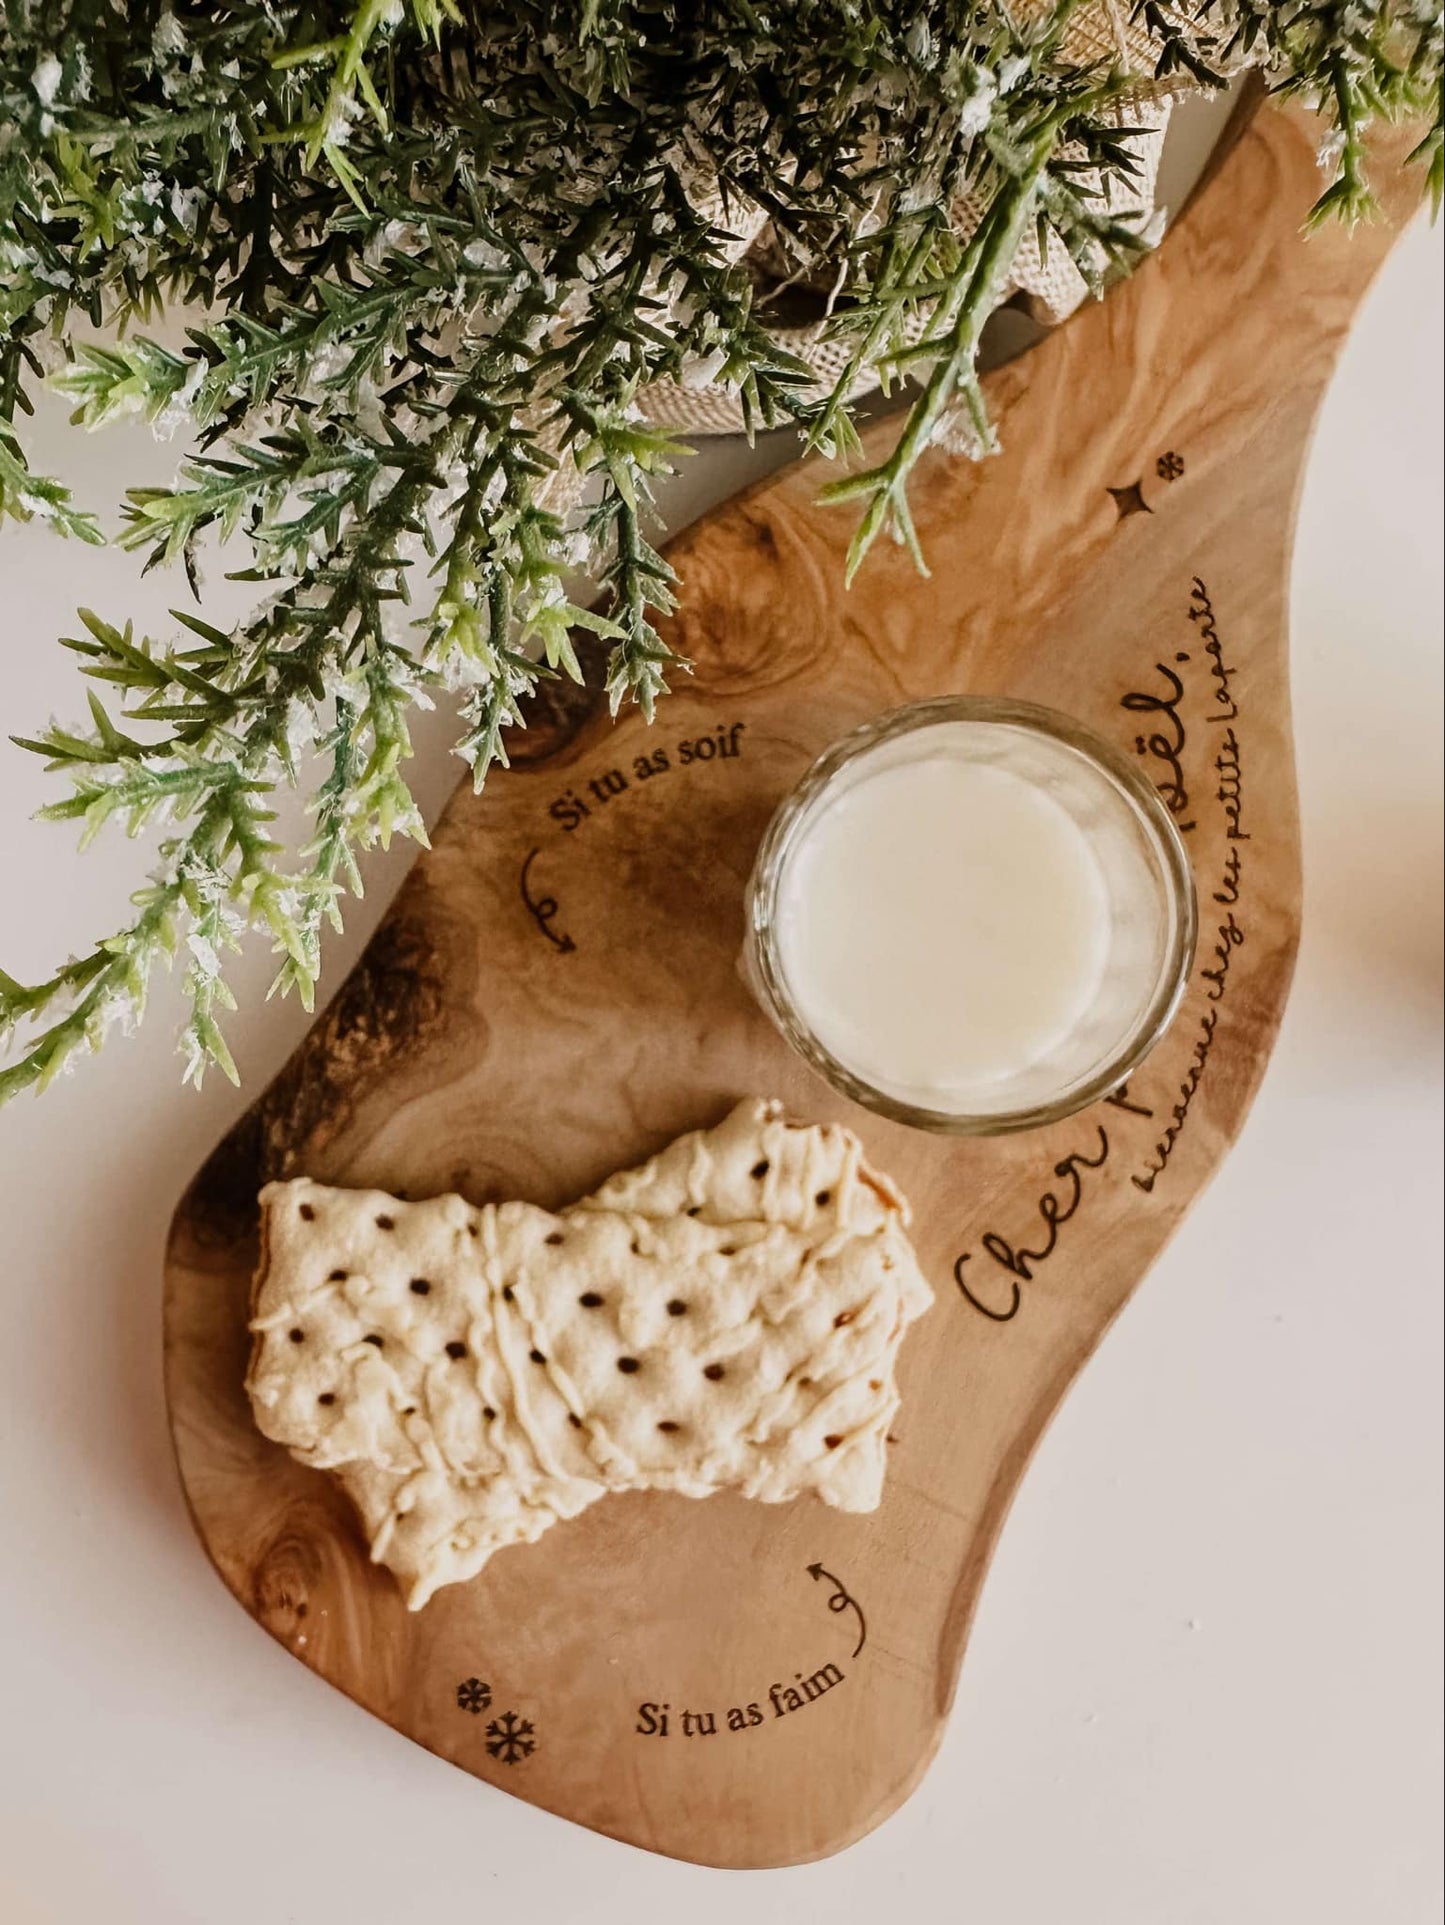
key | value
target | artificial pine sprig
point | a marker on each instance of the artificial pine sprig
(433, 251)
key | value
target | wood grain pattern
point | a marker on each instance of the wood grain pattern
(506, 1039)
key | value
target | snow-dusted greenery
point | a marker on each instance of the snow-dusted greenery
(438, 249)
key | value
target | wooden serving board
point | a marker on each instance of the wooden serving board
(555, 994)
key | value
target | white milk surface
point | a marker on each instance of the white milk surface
(945, 924)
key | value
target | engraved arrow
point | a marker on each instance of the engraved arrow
(840, 1600)
(542, 911)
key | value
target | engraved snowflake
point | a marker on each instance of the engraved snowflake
(473, 1695)
(1169, 466)
(511, 1738)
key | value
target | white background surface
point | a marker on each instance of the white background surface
(1204, 1683)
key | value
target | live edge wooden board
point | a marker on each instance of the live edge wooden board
(555, 994)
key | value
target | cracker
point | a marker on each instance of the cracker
(727, 1316)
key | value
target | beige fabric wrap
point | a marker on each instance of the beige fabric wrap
(1102, 31)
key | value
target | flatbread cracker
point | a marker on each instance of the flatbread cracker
(726, 1317)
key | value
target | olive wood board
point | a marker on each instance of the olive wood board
(555, 994)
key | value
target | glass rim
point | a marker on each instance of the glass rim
(764, 967)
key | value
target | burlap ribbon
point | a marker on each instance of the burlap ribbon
(1048, 278)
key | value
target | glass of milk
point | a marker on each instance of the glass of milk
(972, 915)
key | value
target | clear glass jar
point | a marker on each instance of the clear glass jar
(1140, 934)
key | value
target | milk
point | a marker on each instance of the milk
(971, 917)
(946, 925)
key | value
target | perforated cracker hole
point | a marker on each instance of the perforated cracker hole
(456, 1350)
(297, 1336)
(419, 1287)
(727, 1249)
(831, 1443)
(386, 1223)
(590, 1300)
(337, 1276)
(308, 1215)
(823, 1199)
(379, 1342)
(555, 1238)
(760, 1170)
(667, 1427)
(488, 1413)
(574, 1420)
(677, 1308)
(629, 1366)
(327, 1397)
(714, 1373)
(537, 1357)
